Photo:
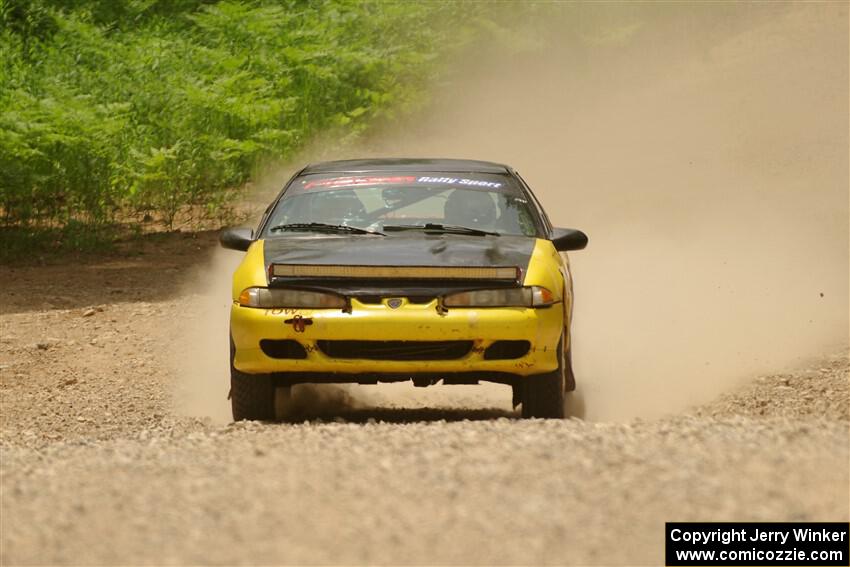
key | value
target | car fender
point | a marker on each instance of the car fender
(251, 272)
(546, 268)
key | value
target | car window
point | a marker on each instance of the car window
(482, 201)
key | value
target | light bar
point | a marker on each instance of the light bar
(509, 273)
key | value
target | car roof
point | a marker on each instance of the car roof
(406, 164)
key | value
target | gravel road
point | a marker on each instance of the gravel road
(98, 468)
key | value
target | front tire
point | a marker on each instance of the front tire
(543, 394)
(252, 396)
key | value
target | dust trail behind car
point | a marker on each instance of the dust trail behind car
(705, 152)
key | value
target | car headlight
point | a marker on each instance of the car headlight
(534, 296)
(270, 298)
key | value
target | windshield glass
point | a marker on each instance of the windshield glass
(488, 202)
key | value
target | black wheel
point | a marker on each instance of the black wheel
(252, 396)
(543, 394)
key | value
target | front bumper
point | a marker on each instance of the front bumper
(410, 322)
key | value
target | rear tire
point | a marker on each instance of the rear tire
(283, 403)
(543, 394)
(252, 396)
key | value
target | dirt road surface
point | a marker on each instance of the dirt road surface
(98, 467)
(712, 355)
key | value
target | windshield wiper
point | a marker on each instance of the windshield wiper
(324, 227)
(442, 228)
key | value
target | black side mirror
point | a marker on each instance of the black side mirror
(568, 239)
(236, 238)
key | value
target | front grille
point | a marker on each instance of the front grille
(506, 350)
(378, 299)
(283, 349)
(396, 350)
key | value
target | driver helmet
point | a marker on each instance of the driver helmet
(338, 207)
(470, 208)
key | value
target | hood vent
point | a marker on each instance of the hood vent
(503, 273)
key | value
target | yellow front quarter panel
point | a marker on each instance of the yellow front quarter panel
(546, 268)
(252, 271)
(550, 269)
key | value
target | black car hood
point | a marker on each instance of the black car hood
(408, 249)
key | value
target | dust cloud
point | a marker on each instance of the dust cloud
(199, 348)
(703, 148)
(199, 353)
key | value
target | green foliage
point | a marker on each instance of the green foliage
(29, 244)
(152, 106)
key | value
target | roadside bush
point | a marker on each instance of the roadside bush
(151, 106)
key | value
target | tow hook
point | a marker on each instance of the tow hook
(299, 323)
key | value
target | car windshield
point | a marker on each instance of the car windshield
(488, 203)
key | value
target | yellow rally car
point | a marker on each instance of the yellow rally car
(384, 270)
